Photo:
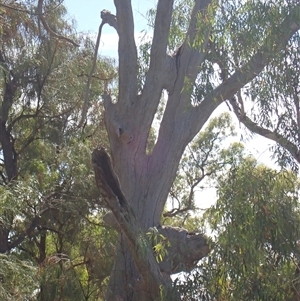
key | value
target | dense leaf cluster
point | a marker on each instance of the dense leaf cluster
(52, 238)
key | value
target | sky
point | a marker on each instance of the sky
(87, 16)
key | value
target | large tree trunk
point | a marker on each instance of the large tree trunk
(136, 274)
(145, 179)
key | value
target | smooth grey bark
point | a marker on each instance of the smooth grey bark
(145, 179)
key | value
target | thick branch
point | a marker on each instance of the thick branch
(154, 79)
(127, 53)
(245, 74)
(188, 59)
(185, 249)
(181, 123)
(47, 27)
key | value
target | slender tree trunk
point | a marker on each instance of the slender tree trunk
(10, 158)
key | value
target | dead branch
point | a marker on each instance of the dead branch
(110, 19)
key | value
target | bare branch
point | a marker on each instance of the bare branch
(47, 27)
(88, 84)
(127, 52)
(272, 135)
(110, 19)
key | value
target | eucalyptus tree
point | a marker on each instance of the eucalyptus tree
(222, 54)
(255, 225)
(49, 205)
(256, 217)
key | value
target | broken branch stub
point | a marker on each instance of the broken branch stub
(106, 179)
(108, 18)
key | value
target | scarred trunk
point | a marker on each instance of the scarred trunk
(136, 275)
(145, 180)
(146, 187)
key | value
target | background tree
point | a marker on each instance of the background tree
(255, 222)
(51, 232)
(203, 159)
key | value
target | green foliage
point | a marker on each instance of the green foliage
(256, 225)
(50, 213)
(280, 82)
(159, 243)
(205, 157)
(257, 222)
(241, 27)
(19, 279)
(179, 24)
